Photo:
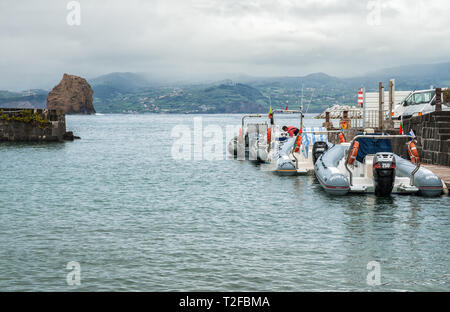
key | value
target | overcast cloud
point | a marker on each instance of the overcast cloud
(193, 38)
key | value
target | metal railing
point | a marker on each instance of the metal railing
(249, 116)
(372, 118)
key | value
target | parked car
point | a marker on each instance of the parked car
(418, 103)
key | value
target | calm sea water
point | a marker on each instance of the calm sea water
(137, 220)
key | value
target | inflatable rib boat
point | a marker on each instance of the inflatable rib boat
(243, 145)
(368, 165)
(283, 148)
(297, 155)
(291, 155)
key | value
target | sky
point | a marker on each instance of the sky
(197, 39)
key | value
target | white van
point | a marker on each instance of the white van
(418, 103)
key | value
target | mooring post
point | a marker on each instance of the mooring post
(380, 106)
(345, 122)
(327, 124)
(438, 105)
(391, 98)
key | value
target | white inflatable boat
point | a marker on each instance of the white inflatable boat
(368, 165)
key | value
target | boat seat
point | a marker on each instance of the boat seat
(368, 165)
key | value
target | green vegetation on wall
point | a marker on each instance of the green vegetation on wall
(26, 116)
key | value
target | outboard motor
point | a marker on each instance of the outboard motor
(233, 146)
(318, 149)
(384, 173)
(283, 136)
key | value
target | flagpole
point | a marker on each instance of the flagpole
(401, 125)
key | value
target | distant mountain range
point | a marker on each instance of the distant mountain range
(136, 92)
(408, 77)
(220, 98)
(26, 99)
(122, 82)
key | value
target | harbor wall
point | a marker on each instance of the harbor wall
(32, 125)
(433, 137)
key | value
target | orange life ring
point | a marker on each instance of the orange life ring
(298, 143)
(413, 152)
(352, 156)
(240, 135)
(342, 138)
(343, 124)
(269, 135)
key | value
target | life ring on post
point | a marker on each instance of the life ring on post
(343, 124)
(298, 143)
(413, 152)
(342, 138)
(352, 156)
(269, 135)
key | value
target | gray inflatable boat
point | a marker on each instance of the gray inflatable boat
(289, 159)
(250, 140)
(369, 166)
(285, 164)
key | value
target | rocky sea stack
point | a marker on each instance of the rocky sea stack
(73, 95)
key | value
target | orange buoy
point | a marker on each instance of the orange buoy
(298, 143)
(342, 138)
(352, 156)
(413, 152)
(240, 135)
(269, 135)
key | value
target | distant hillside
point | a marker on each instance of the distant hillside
(228, 98)
(315, 92)
(8, 94)
(315, 80)
(407, 77)
(321, 90)
(223, 98)
(26, 99)
(120, 81)
(110, 85)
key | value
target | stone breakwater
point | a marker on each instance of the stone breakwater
(32, 125)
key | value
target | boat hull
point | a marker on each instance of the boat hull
(426, 181)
